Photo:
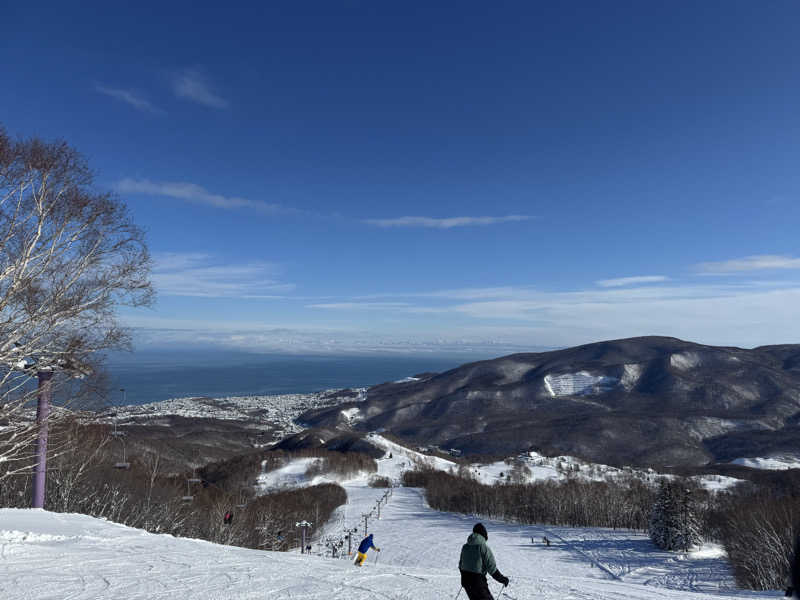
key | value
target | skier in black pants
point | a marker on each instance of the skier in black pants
(476, 562)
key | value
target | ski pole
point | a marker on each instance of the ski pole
(459, 592)
(377, 555)
(501, 593)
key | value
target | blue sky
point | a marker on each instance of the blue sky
(438, 177)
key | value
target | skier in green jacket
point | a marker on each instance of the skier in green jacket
(476, 561)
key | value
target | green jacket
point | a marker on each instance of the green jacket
(476, 556)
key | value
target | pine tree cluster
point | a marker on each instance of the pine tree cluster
(673, 520)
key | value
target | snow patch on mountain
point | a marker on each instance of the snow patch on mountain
(630, 375)
(398, 458)
(581, 383)
(352, 415)
(717, 483)
(685, 360)
(529, 467)
(292, 474)
(770, 463)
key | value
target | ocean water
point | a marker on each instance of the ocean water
(154, 376)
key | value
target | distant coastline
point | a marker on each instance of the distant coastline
(160, 375)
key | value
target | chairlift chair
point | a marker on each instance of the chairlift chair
(123, 464)
(194, 478)
(189, 481)
(116, 433)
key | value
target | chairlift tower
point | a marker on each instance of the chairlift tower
(366, 517)
(44, 368)
(303, 525)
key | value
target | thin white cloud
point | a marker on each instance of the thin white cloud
(745, 313)
(130, 97)
(257, 337)
(359, 305)
(200, 275)
(192, 84)
(757, 262)
(191, 192)
(624, 281)
(446, 222)
(458, 293)
(748, 313)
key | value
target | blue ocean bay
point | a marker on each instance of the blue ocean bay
(160, 375)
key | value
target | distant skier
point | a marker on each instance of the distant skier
(363, 547)
(228, 518)
(476, 562)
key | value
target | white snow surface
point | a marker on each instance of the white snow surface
(352, 414)
(630, 375)
(530, 467)
(685, 360)
(404, 459)
(772, 463)
(581, 383)
(292, 474)
(51, 556)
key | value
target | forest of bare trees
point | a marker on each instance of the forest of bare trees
(756, 523)
(573, 503)
(85, 481)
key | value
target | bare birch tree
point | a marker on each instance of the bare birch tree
(69, 256)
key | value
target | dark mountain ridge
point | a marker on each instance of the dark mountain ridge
(646, 401)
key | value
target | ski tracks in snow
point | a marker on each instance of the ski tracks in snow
(56, 557)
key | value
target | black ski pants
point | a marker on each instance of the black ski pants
(475, 585)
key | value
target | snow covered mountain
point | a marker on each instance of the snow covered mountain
(648, 401)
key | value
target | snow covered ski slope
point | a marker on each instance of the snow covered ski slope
(50, 556)
(74, 557)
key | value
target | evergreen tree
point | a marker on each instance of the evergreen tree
(673, 519)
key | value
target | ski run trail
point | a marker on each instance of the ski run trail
(46, 555)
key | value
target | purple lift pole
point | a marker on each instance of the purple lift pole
(42, 414)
